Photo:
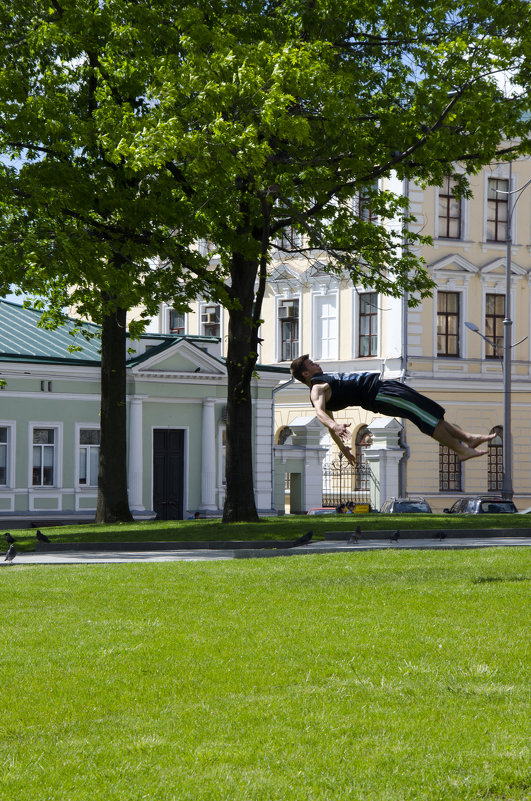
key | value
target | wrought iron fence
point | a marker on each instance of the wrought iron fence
(344, 482)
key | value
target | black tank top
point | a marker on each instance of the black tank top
(349, 389)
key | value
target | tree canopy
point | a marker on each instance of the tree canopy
(144, 126)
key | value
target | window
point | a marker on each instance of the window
(205, 247)
(497, 204)
(326, 326)
(368, 324)
(177, 322)
(4, 444)
(288, 316)
(43, 457)
(494, 316)
(89, 451)
(449, 210)
(449, 470)
(495, 460)
(291, 239)
(362, 472)
(365, 202)
(211, 320)
(447, 324)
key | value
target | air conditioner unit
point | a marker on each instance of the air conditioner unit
(286, 312)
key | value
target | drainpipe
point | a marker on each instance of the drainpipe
(403, 367)
(275, 390)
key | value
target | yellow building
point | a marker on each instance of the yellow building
(347, 328)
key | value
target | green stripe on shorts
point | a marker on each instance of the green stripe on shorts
(405, 404)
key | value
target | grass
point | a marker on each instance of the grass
(268, 528)
(390, 676)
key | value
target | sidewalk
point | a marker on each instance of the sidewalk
(115, 554)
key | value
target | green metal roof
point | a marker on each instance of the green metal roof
(20, 336)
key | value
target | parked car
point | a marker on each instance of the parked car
(322, 510)
(412, 505)
(482, 504)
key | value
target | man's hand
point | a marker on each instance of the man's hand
(341, 429)
(349, 455)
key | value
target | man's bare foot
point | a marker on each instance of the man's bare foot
(473, 442)
(470, 453)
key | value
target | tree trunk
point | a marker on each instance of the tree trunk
(113, 502)
(241, 360)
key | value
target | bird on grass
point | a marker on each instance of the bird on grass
(304, 539)
(394, 537)
(355, 536)
(41, 537)
(8, 537)
(10, 555)
(439, 536)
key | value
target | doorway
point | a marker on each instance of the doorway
(168, 473)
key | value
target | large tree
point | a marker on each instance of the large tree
(79, 228)
(261, 115)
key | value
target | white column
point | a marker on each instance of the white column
(135, 454)
(208, 456)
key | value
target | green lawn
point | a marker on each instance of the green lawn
(382, 676)
(268, 528)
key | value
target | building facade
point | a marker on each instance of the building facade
(176, 398)
(347, 327)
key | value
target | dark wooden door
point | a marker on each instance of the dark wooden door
(168, 473)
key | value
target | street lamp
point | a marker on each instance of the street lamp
(507, 486)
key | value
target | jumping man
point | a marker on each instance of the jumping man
(330, 392)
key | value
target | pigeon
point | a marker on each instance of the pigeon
(41, 537)
(8, 537)
(354, 537)
(394, 537)
(10, 555)
(440, 535)
(304, 539)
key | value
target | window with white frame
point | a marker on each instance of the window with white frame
(448, 323)
(497, 207)
(288, 319)
(89, 452)
(44, 457)
(450, 210)
(176, 322)
(326, 329)
(494, 317)
(4, 455)
(368, 324)
(211, 320)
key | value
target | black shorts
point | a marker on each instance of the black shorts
(398, 400)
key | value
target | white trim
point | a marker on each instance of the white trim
(58, 455)
(278, 341)
(316, 295)
(357, 291)
(462, 291)
(11, 454)
(77, 429)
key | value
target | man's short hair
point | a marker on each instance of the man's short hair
(297, 367)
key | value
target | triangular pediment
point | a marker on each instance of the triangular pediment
(454, 263)
(178, 357)
(499, 267)
(283, 272)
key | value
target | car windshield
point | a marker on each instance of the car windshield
(411, 506)
(497, 507)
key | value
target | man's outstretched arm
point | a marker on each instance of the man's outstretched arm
(338, 431)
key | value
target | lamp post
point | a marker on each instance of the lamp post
(507, 486)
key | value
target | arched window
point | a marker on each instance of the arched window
(284, 436)
(363, 440)
(495, 460)
(449, 470)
